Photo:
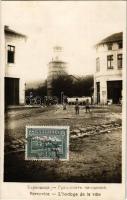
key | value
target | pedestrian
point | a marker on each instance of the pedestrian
(64, 106)
(77, 107)
(87, 105)
(31, 97)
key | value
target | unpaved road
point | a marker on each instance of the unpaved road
(94, 158)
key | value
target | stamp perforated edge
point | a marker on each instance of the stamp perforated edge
(46, 126)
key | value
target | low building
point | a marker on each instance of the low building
(108, 75)
(14, 65)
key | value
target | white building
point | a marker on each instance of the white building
(14, 63)
(108, 76)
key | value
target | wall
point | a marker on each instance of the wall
(15, 70)
(105, 74)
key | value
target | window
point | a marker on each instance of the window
(109, 46)
(120, 45)
(110, 61)
(97, 64)
(119, 61)
(10, 54)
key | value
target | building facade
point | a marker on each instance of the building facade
(108, 75)
(14, 64)
(56, 68)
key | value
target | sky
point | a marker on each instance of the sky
(75, 25)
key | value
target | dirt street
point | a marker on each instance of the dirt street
(95, 145)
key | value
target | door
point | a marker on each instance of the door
(114, 91)
(98, 92)
(11, 91)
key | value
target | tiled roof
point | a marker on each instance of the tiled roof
(10, 31)
(116, 37)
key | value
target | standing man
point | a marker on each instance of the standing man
(87, 105)
(77, 107)
(31, 97)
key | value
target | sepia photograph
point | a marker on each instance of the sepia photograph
(63, 91)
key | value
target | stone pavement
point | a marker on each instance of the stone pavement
(95, 145)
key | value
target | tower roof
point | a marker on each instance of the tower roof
(57, 61)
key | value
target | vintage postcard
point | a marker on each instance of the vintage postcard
(63, 100)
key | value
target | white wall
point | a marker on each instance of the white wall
(15, 70)
(105, 74)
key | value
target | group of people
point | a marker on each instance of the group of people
(77, 106)
(87, 106)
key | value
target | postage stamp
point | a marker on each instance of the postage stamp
(47, 143)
